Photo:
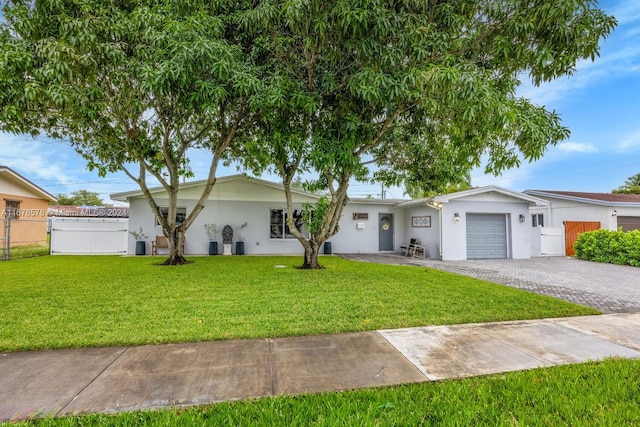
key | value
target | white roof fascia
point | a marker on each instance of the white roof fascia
(371, 201)
(544, 194)
(17, 177)
(534, 201)
(125, 196)
(415, 202)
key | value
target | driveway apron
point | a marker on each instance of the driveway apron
(605, 287)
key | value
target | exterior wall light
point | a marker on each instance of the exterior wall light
(456, 217)
(522, 218)
(614, 213)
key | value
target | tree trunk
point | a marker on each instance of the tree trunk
(311, 253)
(176, 255)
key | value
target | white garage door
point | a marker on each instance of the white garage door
(486, 236)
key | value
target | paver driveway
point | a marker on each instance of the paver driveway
(606, 287)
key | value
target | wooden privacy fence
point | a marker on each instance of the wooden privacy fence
(571, 231)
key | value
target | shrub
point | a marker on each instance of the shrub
(615, 247)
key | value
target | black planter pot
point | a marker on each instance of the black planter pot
(141, 247)
(239, 248)
(213, 248)
(327, 248)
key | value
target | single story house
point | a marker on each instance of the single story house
(577, 212)
(487, 222)
(24, 206)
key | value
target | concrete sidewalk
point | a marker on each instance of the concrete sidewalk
(63, 382)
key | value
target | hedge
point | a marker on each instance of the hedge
(615, 247)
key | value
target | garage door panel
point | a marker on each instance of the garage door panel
(486, 236)
(629, 223)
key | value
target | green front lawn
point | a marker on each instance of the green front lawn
(75, 301)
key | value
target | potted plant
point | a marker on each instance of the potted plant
(141, 245)
(240, 242)
(212, 232)
(227, 239)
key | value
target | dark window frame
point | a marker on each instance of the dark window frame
(181, 214)
(11, 211)
(278, 227)
(537, 220)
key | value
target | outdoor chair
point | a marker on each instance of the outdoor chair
(420, 251)
(407, 248)
(161, 242)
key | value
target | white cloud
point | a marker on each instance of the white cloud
(37, 159)
(627, 11)
(56, 167)
(630, 141)
(576, 147)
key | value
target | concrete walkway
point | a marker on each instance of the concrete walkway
(605, 287)
(62, 382)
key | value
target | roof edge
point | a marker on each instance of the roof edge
(536, 201)
(124, 196)
(542, 194)
(33, 186)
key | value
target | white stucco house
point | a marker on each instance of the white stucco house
(486, 222)
(575, 212)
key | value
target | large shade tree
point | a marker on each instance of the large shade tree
(133, 85)
(421, 89)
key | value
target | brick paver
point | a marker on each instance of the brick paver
(606, 287)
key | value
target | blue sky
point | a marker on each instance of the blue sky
(600, 104)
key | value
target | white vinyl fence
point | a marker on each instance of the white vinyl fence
(552, 241)
(89, 236)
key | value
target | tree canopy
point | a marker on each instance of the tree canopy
(630, 186)
(423, 90)
(79, 198)
(132, 85)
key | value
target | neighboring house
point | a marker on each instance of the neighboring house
(24, 209)
(487, 222)
(577, 212)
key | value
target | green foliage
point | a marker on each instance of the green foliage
(615, 247)
(631, 186)
(80, 198)
(314, 214)
(85, 301)
(132, 85)
(423, 90)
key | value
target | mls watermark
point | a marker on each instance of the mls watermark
(24, 213)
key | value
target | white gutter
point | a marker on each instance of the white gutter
(438, 206)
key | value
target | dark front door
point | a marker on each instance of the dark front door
(385, 232)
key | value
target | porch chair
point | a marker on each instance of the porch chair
(420, 250)
(407, 248)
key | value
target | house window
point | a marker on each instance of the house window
(537, 220)
(181, 214)
(279, 229)
(11, 209)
